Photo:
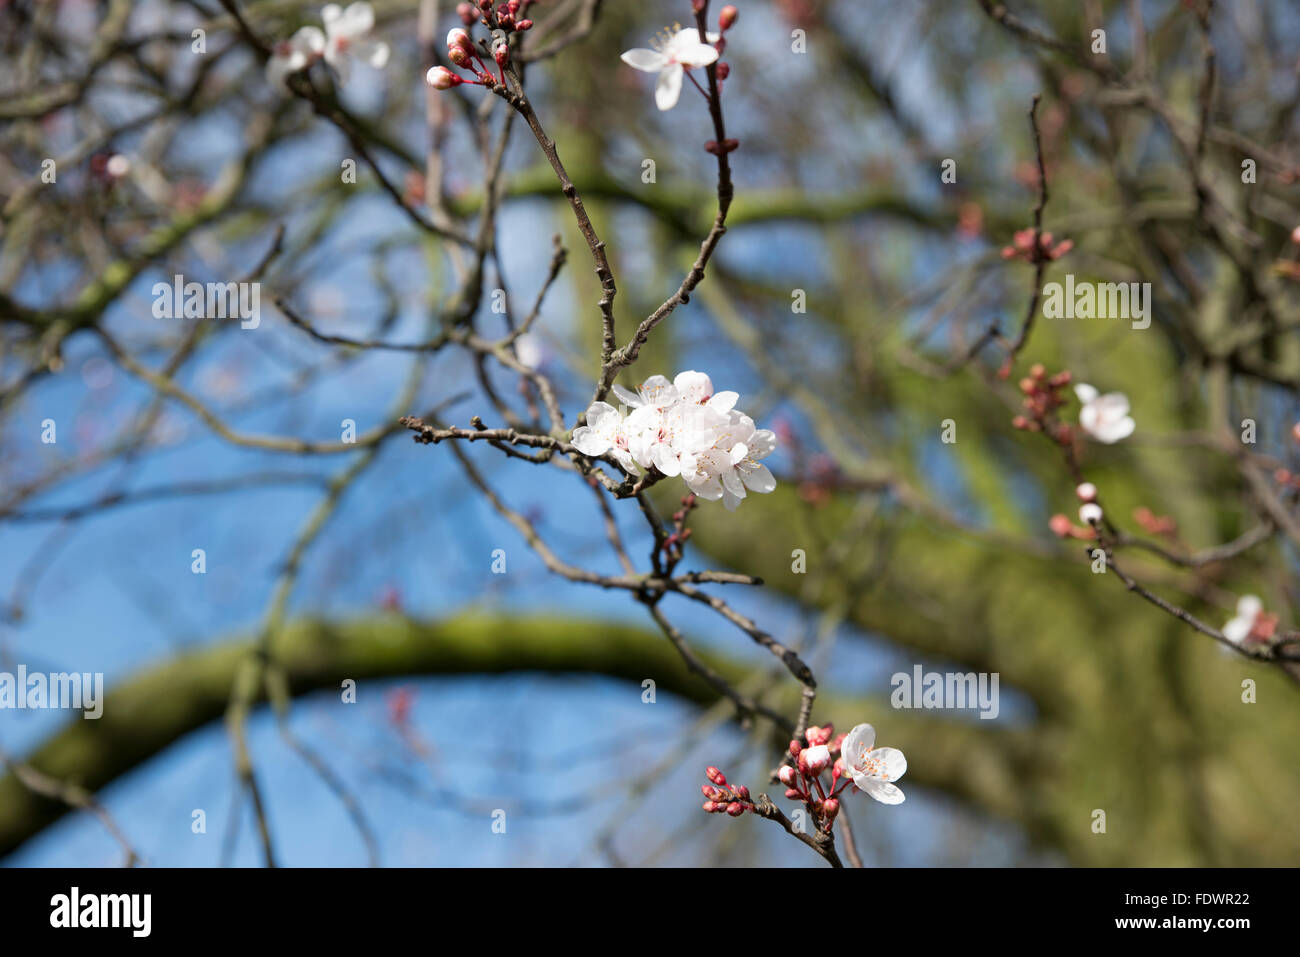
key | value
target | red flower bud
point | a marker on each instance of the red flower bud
(727, 17)
(716, 776)
(735, 809)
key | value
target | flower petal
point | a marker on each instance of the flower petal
(602, 415)
(358, 18)
(628, 398)
(857, 742)
(693, 386)
(881, 791)
(761, 444)
(669, 86)
(889, 764)
(758, 478)
(658, 391)
(311, 39)
(1237, 629)
(589, 442)
(647, 61)
(664, 459)
(373, 52)
(1112, 404)
(1085, 392)
(697, 55)
(724, 402)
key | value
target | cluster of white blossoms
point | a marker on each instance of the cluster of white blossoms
(683, 428)
(344, 39)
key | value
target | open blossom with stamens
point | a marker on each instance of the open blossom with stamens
(605, 431)
(873, 769)
(682, 427)
(731, 464)
(672, 54)
(1104, 417)
(347, 38)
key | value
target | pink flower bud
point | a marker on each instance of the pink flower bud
(1295, 235)
(524, 25)
(1060, 525)
(716, 776)
(727, 17)
(459, 57)
(818, 758)
(710, 807)
(792, 793)
(501, 53)
(787, 775)
(458, 38)
(831, 807)
(743, 791)
(1087, 492)
(467, 13)
(440, 78)
(735, 809)
(723, 71)
(795, 748)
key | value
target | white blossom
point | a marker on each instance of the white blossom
(605, 431)
(873, 769)
(346, 38)
(1238, 629)
(670, 56)
(1104, 417)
